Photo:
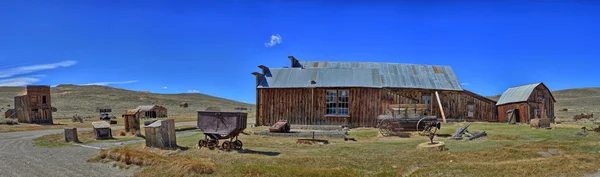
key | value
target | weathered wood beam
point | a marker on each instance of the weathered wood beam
(440, 104)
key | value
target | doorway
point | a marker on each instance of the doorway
(514, 116)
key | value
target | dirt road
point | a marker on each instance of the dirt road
(18, 157)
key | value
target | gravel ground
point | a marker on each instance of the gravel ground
(18, 156)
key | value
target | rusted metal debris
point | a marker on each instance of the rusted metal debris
(463, 132)
(584, 131)
(280, 127)
(221, 125)
(583, 116)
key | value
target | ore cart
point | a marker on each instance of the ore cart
(221, 126)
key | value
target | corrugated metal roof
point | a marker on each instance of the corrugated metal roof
(145, 107)
(362, 74)
(101, 124)
(517, 94)
(301, 78)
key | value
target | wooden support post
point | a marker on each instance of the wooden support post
(440, 104)
(71, 135)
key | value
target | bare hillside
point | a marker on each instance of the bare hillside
(83, 100)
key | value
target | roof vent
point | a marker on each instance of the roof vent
(313, 82)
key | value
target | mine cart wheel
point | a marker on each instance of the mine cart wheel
(212, 144)
(385, 128)
(237, 144)
(226, 145)
(202, 143)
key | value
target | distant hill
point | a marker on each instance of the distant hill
(577, 101)
(83, 100)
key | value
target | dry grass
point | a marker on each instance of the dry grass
(508, 150)
(157, 164)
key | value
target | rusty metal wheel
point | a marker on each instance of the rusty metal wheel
(212, 144)
(202, 143)
(237, 145)
(226, 145)
(385, 128)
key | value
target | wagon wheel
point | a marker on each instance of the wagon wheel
(212, 144)
(226, 145)
(202, 143)
(237, 144)
(385, 128)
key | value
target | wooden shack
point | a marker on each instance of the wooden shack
(10, 113)
(183, 105)
(35, 105)
(102, 130)
(132, 121)
(152, 111)
(524, 103)
(356, 93)
(161, 134)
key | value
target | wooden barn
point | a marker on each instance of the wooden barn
(527, 102)
(356, 93)
(10, 113)
(35, 105)
(152, 111)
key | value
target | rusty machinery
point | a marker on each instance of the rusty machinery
(218, 125)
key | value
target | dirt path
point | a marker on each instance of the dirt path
(18, 157)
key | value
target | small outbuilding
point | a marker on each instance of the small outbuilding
(132, 121)
(10, 113)
(522, 104)
(152, 111)
(102, 130)
(183, 105)
(161, 134)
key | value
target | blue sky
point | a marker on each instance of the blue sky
(212, 47)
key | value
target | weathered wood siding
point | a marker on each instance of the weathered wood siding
(523, 109)
(541, 103)
(306, 106)
(162, 136)
(454, 103)
(22, 108)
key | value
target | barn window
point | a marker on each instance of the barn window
(337, 102)
(43, 99)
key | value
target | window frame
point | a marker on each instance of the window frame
(341, 102)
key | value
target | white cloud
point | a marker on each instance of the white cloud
(111, 83)
(165, 87)
(464, 83)
(275, 39)
(193, 91)
(5, 73)
(22, 81)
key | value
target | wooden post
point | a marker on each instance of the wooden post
(440, 104)
(71, 135)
